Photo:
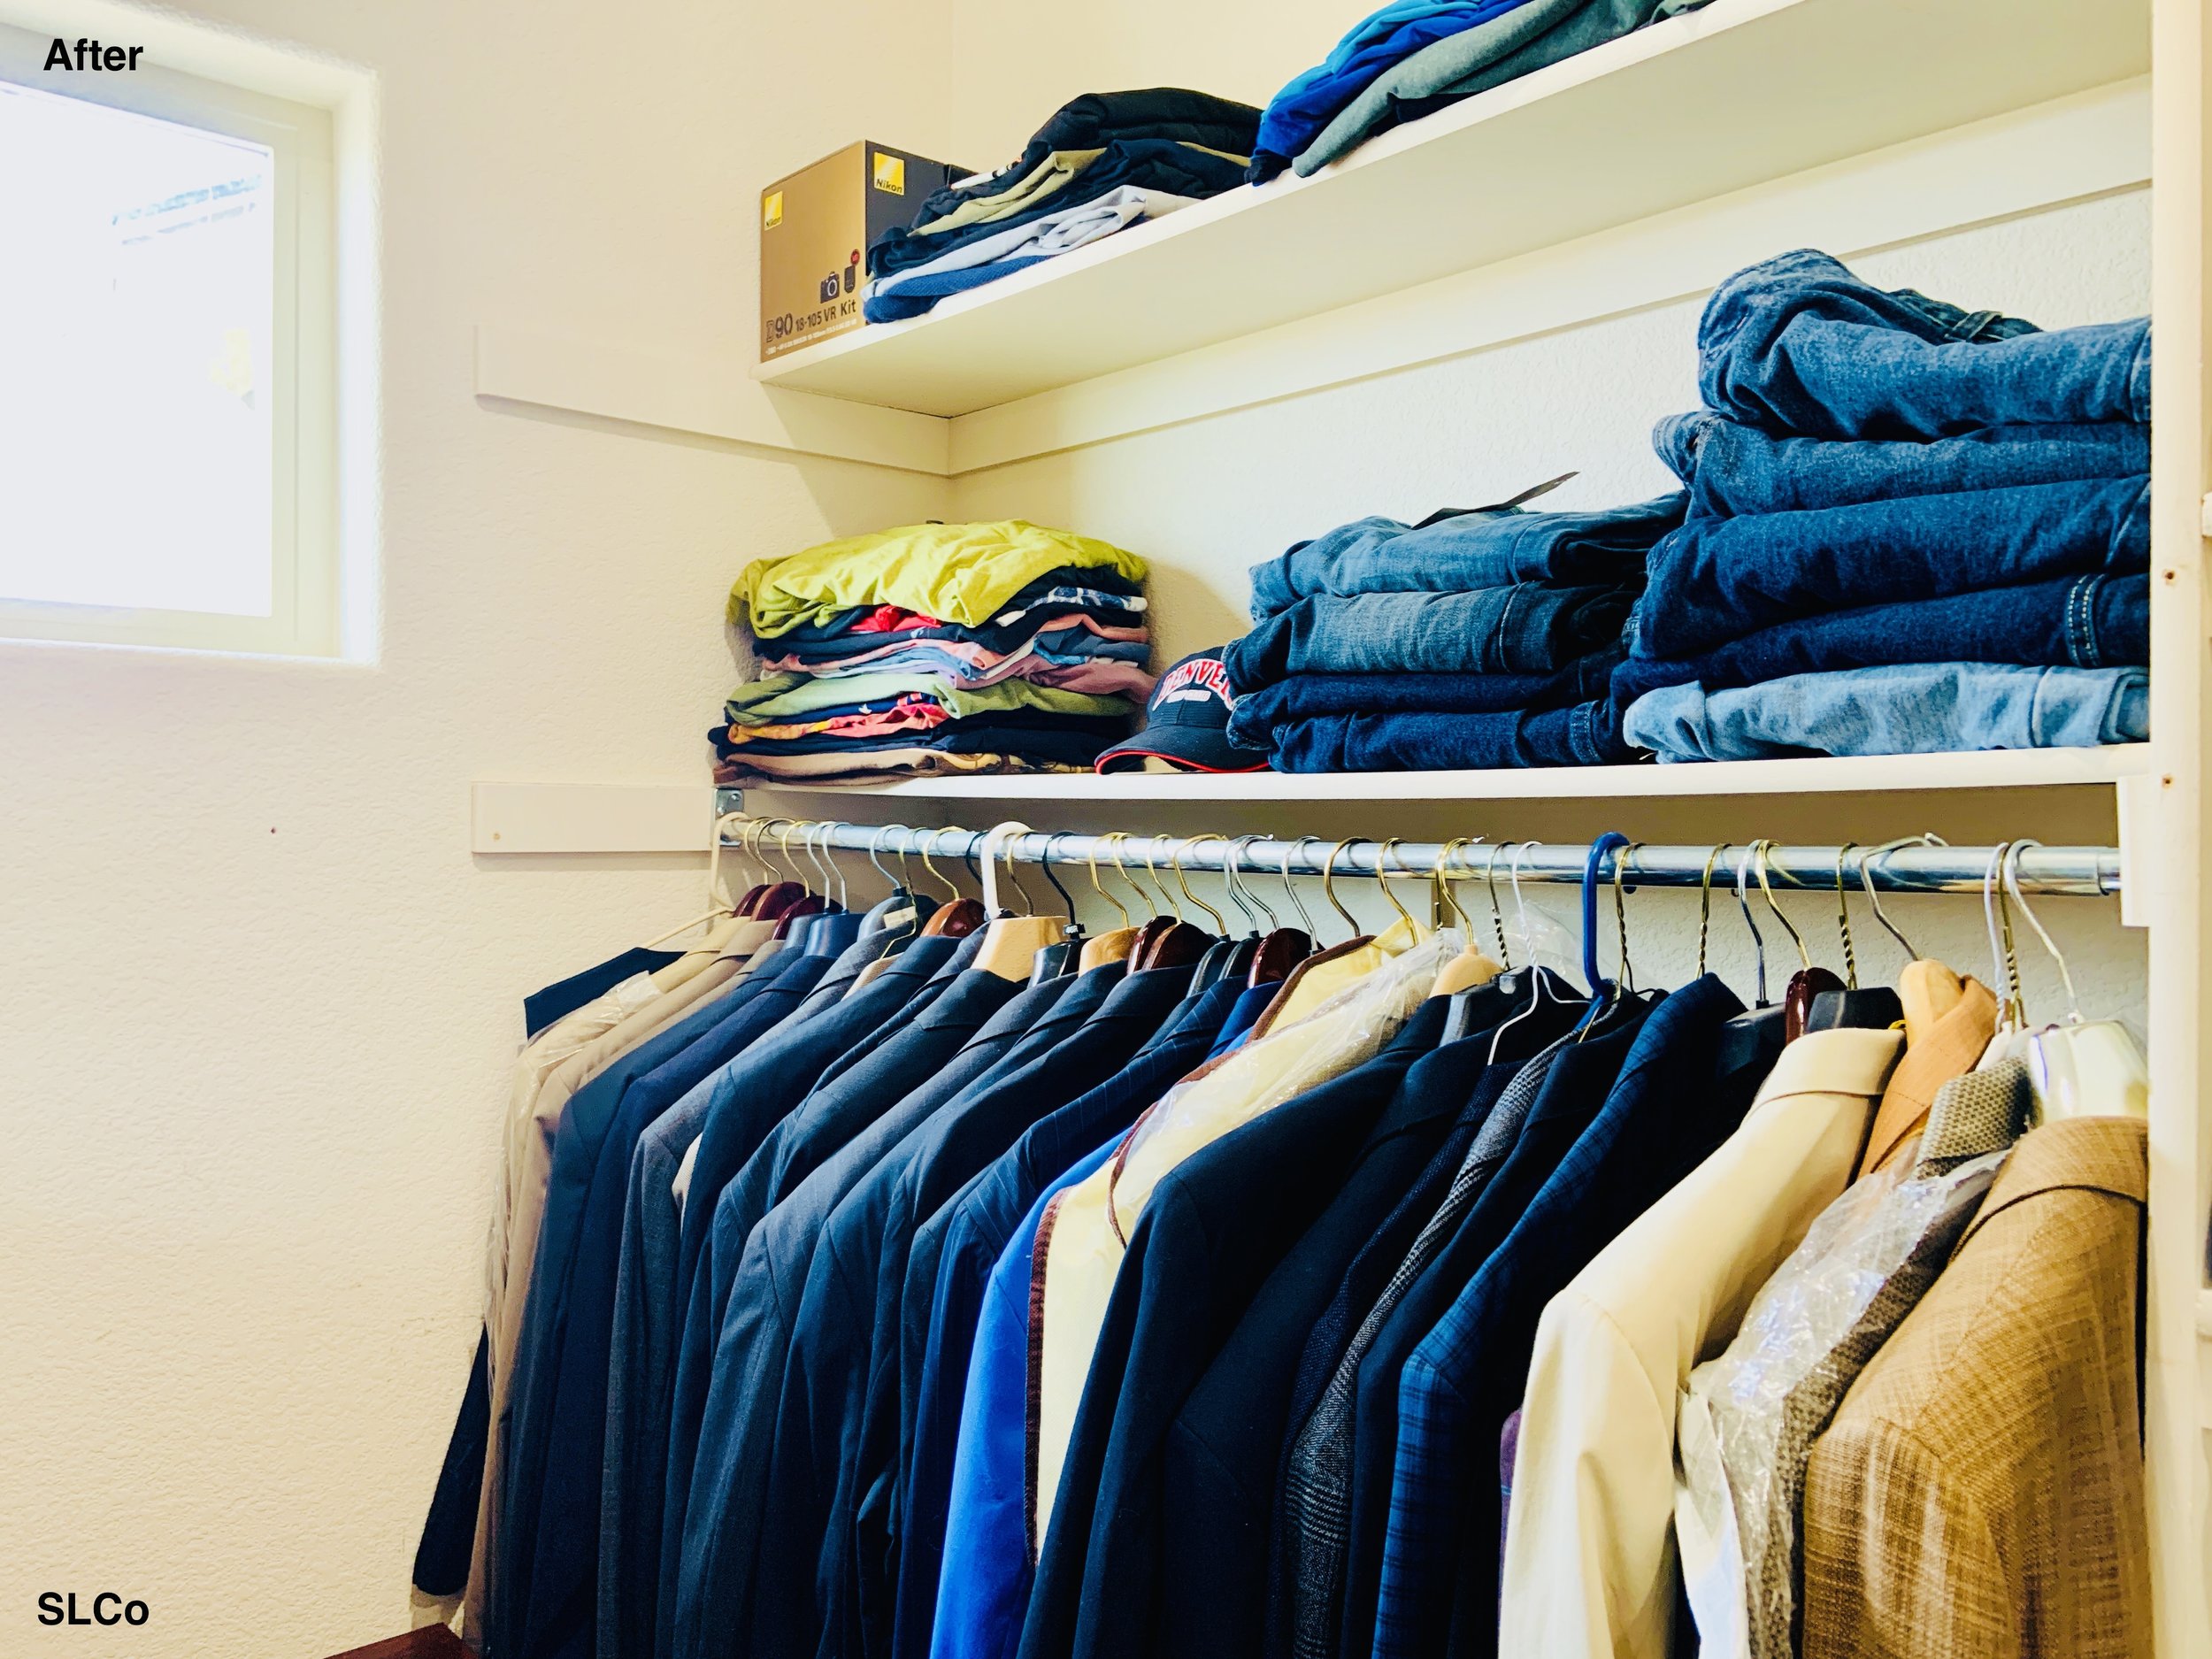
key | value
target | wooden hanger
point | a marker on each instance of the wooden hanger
(1116, 944)
(1472, 967)
(1010, 942)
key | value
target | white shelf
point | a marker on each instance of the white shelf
(1996, 769)
(1741, 93)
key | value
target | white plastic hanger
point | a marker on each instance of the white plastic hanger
(2080, 1067)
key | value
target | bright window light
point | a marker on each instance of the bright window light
(166, 414)
(134, 319)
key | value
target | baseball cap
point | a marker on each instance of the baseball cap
(1187, 723)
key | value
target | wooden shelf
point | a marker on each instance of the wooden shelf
(1995, 769)
(1741, 93)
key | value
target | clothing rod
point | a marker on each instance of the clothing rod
(1916, 868)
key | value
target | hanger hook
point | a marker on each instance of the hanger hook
(1997, 917)
(783, 844)
(1114, 843)
(1743, 903)
(925, 847)
(1497, 913)
(1304, 914)
(1705, 902)
(1151, 846)
(2065, 974)
(1382, 880)
(1122, 908)
(1240, 849)
(875, 854)
(1006, 849)
(1866, 880)
(1843, 919)
(1762, 852)
(1182, 880)
(1621, 856)
(1445, 898)
(1521, 850)
(1044, 861)
(1328, 882)
(827, 865)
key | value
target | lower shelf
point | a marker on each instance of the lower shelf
(1994, 769)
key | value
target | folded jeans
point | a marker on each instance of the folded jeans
(2100, 621)
(1798, 344)
(1587, 735)
(1257, 713)
(1490, 546)
(1908, 709)
(1716, 579)
(1529, 628)
(1732, 468)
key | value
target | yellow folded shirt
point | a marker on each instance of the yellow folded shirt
(960, 573)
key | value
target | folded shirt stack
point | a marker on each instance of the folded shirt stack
(1412, 57)
(1102, 163)
(1911, 529)
(1474, 639)
(936, 648)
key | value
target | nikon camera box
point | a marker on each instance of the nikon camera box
(815, 230)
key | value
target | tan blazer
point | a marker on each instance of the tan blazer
(1979, 1494)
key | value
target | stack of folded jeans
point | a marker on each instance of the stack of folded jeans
(1102, 163)
(933, 648)
(1911, 529)
(1412, 57)
(1474, 639)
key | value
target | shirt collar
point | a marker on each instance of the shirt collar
(2102, 1155)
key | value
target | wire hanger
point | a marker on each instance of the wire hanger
(1109, 898)
(1382, 880)
(1497, 914)
(1304, 914)
(719, 904)
(1867, 860)
(1246, 896)
(1705, 902)
(1182, 879)
(1871, 1008)
(1328, 884)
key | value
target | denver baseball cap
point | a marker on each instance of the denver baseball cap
(1187, 723)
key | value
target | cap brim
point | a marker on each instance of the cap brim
(1190, 747)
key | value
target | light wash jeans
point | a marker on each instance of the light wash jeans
(1918, 709)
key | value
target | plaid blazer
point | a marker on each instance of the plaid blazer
(1980, 1491)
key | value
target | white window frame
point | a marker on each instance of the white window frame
(306, 581)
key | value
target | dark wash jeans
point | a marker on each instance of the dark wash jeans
(1716, 580)
(1732, 468)
(1302, 696)
(1489, 547)
(1525, 629)
(2100, 621)
(1798, 344)
(1587, 735)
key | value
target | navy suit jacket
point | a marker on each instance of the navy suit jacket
(717, 1440)
(951, 1260)
(1668, 1111)
(1214, 1228)
(1571, 1096)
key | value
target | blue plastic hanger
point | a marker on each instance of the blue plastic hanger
(1602, 990)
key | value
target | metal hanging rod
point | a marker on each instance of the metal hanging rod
(2085, 872)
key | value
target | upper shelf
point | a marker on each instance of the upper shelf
(1992, 769)
(1741, 93)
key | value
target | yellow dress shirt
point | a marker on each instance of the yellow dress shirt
(1590, 1564)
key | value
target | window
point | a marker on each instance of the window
(166, 415)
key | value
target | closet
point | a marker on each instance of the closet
(1958, 145)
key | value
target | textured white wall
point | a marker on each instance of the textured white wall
(256, 999)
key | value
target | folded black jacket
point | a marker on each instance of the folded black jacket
(1152, 164)
(1097, 119)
